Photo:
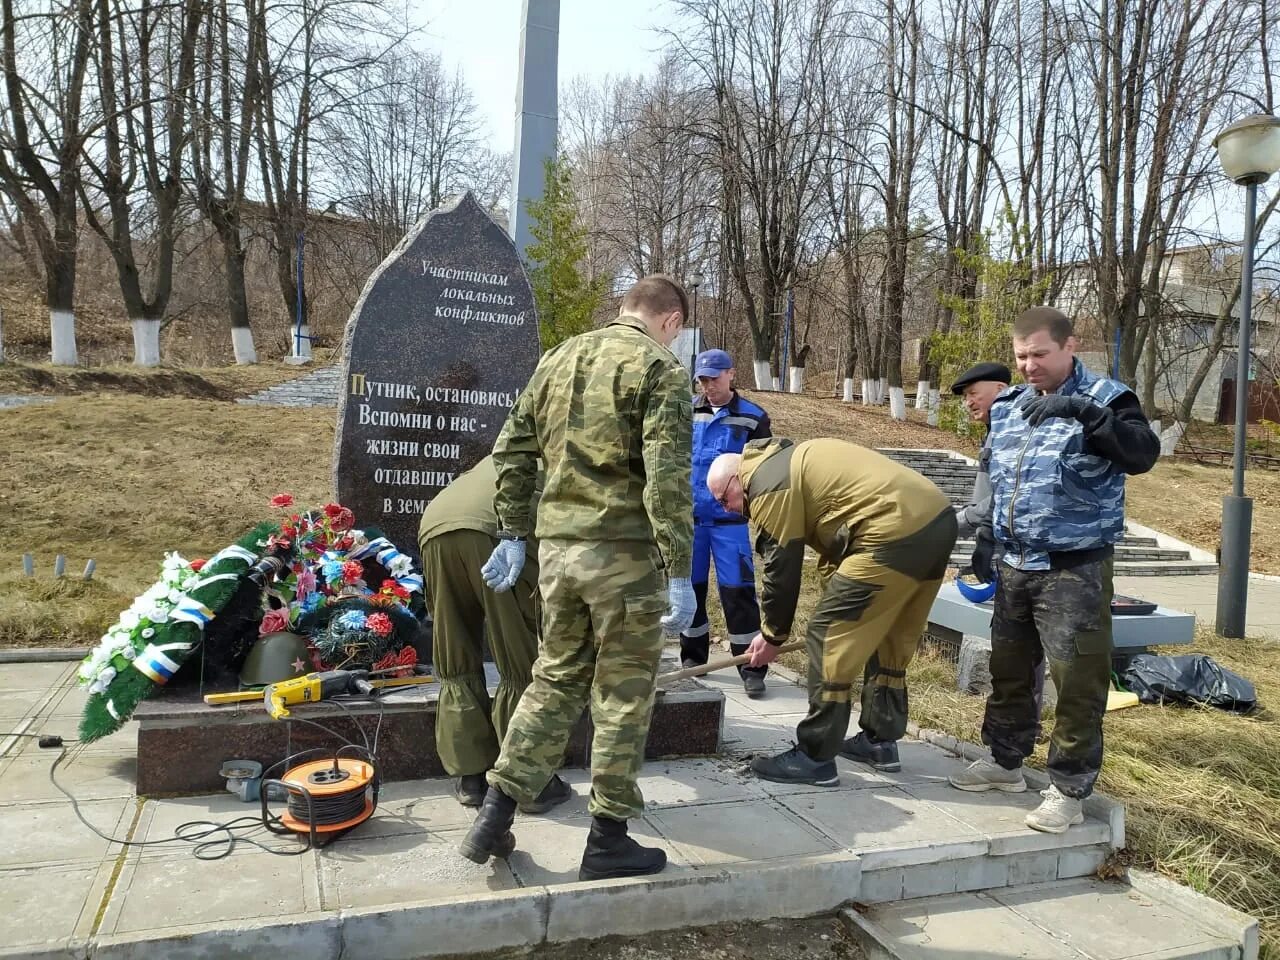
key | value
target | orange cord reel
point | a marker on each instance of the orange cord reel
(325, 798)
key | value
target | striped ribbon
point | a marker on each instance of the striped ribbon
(154, 661)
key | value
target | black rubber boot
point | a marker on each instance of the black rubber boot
(553, 794)
(611, 853)
(470, 789)
(490, 835)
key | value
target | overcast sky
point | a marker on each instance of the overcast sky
(597, 37)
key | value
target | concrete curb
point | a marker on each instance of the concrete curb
(43, 654)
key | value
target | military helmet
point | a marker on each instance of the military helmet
(275, 657)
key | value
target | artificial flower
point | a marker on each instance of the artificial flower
(198, 564)
(352, 571)
(400, 566)
(282, 500)
(379, 623)
(274, 621)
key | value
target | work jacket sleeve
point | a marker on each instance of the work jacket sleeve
(1121, 433)
(970, 516)
(515, 456)
(763, 430)
(668, 452)
(782, 567)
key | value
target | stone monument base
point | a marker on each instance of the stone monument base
(183, 742)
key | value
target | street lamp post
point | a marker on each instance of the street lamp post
(695, 282)
(1249, 151)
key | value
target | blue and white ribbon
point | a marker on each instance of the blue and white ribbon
(387, 554)
(155, 662)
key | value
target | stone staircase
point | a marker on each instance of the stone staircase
(1135, 556)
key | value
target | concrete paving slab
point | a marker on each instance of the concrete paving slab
(33, 676)
(404, 869)
(160, 820)
(755, 830)
(35, 834)
(17, 704)
(923, 763)
(1109, 920)
(49, 905)
(682, 782)
(1002, 816)
(549, 851)
(85, 776)
(316, 936)
(68, 701)
(154, 894)
(745, 736)
(505, 921)
(890, 817)
(122, 743)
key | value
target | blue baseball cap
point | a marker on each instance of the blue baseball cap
(712, 363)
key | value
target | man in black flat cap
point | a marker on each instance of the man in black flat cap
(978, 388)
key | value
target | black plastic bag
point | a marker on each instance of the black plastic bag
(1194, 678)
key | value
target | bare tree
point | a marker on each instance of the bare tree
(760, 60)
(40, 143)
(145, 64)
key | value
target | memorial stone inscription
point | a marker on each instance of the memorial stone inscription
(442, 341)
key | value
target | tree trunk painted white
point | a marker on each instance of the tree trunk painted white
(922, 394)
(300, 346)
(146, 342)
(1169, 439)
(933, 408)
(764, 376)
(867, 398)
(797, 379)
(882, 390)
(777, 384)
(897, 403)
(848, 389)
(62, 337)
(242, 344)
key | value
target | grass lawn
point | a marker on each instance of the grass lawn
(124, 465)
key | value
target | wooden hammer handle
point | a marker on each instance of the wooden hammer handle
(714, 665)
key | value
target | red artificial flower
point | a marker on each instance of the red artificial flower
(352, 571)
(343, 520)
(393, 587)
(198, 564)
(345, 543)
(282, 500)
(331, 510)
(275, 541)
(379, 623)
(405, 659)
(274, 621)
(320, 542)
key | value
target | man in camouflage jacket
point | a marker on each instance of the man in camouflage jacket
(1061, 446)
(609, 414)
(883, 534)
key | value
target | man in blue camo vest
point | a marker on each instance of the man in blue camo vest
(723, 422)
(1061, 446)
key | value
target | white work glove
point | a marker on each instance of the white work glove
(681, 606)
(503, 567)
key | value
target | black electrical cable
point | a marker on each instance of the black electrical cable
(240, 829)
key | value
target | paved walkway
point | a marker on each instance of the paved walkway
(10, 400)
(396, 888)
(1199, 595)
(317, 389)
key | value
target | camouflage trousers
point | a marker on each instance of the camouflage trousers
(869, 621)
(469, 726)
(601, 642)
(1064, 615)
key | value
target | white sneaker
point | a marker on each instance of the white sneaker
(983, 775)
(1055, 813)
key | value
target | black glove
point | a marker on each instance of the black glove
(983, 562)
(1039, 409)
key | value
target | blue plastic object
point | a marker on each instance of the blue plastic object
(976, 592)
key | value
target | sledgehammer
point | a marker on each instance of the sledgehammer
(666, 679)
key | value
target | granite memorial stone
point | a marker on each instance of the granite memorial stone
(440, 344)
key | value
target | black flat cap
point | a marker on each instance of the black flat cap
(982, 371)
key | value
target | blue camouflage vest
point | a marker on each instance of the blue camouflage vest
(1048, 493)
(715, 432)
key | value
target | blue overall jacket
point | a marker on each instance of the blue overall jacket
(714, 433)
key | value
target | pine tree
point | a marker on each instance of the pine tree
(566, 299)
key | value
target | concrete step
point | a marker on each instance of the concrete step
(1081, 919)
(1171, 568)
(1123, 552)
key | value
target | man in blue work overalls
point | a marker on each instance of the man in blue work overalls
(723, 422)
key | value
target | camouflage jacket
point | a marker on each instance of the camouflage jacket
(609, 413)
(836, 497)
(1051, 491)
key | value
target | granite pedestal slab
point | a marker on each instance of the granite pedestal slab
(183, 742)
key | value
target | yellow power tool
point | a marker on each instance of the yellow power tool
(312, 688)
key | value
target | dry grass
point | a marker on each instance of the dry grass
(122, 478)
